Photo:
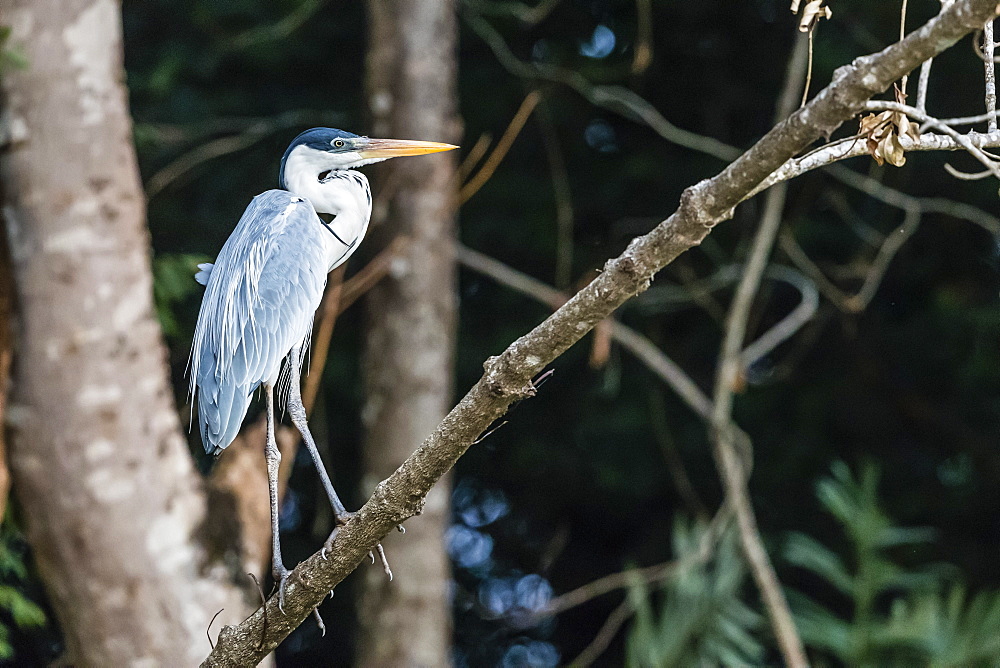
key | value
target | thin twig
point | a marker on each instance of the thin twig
(609, 629)
(615, 581)
(257, 131)
(904, 201)
(902, 34)
(563, 197)
(967, 120)
(500, 150)
(967, 176)
(208, 628)
(809, 70)
(729, 377)
(650, 575)
(642, 52)
(527, 15)
(278, 30)
(263, 605)
(788, 326)
(773, 337)
(328, 310)
(795, 253)
(835, 152)
(475, 154)
(886, 253)
(668, 447)
(960, 139)
(644, 349)
(618, 99)
(165, 134)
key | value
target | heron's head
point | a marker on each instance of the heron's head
(322, 150)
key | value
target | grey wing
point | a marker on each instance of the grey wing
(259, 302)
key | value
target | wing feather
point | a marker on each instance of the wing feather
(259, 302)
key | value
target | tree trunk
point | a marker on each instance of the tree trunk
(410, 337)
(115, 511)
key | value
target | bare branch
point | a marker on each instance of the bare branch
(991, 78)
(507, 377)
(923, 83)
(852, 148)
(962, 140)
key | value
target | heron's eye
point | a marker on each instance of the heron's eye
(338, 143)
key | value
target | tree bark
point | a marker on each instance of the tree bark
(410, 318)
(114, 509)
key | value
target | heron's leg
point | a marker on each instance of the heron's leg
(298, 414)
(273, 457)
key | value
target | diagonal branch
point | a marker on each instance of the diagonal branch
(507, 377)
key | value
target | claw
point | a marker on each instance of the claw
(319, 622)
(280, 574)
(385, 562)
(400, 528)
(372, 555)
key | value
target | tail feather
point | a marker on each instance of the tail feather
(221, 409)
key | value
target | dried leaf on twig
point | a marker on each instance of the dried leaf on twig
(882, 133)
(811, 13)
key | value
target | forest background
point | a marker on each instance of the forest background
(873, 425)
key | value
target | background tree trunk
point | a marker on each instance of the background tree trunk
(114, 509)
(410, 338)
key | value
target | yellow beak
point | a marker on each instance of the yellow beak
(394, 148)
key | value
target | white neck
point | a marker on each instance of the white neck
(343, 193)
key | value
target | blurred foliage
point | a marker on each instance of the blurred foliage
(10, 56)
(899, 614)
(702, 619)
(173, 283)
(18, 612)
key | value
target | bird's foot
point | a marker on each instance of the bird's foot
(342, 521)
(280, 574)
(319, 621)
